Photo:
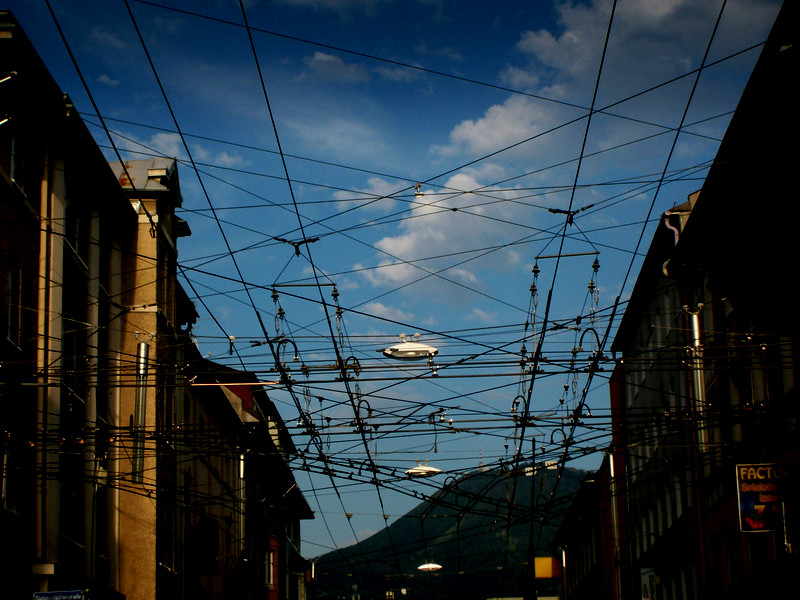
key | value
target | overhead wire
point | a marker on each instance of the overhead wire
(652, 204)
(304, 237)
(567, 221)
(465, 338)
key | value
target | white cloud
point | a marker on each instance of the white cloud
(167, 144)
(463, 275)
(341, 136)
(398, 74)
(438, 229)
(328, 67)
(227, 160)
(518, 118)
(575, 51)
(651, 41)
(106, 39)
(170, 145)
(222, 159)
(105, 79)
(520, 79)
(387, 312)
(479, 315)
(386, 272)
(376, 196)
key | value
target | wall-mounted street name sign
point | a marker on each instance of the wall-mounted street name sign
(67, 595)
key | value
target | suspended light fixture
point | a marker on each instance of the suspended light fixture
(423, 469)
(407, 350)
(429, 567)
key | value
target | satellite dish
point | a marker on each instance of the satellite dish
(406, 350)
(423, 470)
(428, 567)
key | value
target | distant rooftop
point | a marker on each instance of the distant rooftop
(151, 174)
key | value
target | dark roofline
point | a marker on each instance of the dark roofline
(743, 229)
(746, 216)
(54, 111)
(661, 250)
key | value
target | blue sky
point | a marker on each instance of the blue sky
(484, 104)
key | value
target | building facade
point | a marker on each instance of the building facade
(119, 477)
(68, 238)
(705, 385)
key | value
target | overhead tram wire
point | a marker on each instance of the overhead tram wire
(365, 314)
(480, 191)
(561, 126)
(665, 356)
(429, 180)
(191, 160)
(324, 304)
(397, 258)
(484, 251)
(154, 226)
(648, 417)
(637, 245)
(401, 261)
(205, 193)
(650, 210)
(677, 135)
(477, 191)
(591, 154)
(350, 310)
(407, 262)
(314, 268)
(432, 71)
(655, 87)
(545, 319)
(382, 222)
(402, 380)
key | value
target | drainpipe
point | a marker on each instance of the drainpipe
(698, 377)
(676, 232)
(140, 412)
(667, 224)
(115, 573)
(531, 592)
(43, 351)
(699, 451)
(242, 497)
(615, 527)
(116, 450)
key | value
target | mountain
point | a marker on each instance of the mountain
(477, 528)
